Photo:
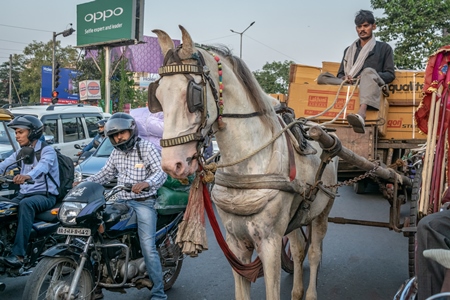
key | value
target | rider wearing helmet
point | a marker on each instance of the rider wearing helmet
(137, 162)
(97, 140)
(32, 198)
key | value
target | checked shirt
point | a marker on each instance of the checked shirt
(130, 169)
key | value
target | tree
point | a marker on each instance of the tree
(4, 78)
(122, 88)
(274, 77)
(418, 29)
(141, 98)
(36, 55)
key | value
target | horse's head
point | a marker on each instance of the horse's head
(184, 93)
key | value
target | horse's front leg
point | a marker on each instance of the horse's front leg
(269, 251)
(241, 285)
(319, 228)
(297, 243)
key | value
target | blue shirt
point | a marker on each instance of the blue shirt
(47, 164)
(96, 141)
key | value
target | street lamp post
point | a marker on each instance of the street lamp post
(64, 33)
(241, 33)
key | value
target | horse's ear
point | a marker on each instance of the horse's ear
(188, 45)
(165, 42)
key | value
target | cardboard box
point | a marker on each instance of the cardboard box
(406, 89)
(303, 74)
(401, 124)
(331, 67)
(312, 99)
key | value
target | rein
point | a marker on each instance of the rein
(274, 138)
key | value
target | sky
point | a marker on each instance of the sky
(306, 32)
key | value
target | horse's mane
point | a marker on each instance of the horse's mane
(254, 91)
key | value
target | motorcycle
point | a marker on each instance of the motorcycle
(42, 233)
(80, 157)
(102, 248)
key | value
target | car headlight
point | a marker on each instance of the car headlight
(77, 176)
(69, 211)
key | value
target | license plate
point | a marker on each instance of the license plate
(74, 231)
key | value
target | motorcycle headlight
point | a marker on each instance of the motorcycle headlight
(69, 211)
(77, 176)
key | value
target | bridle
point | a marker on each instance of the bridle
(195, 96)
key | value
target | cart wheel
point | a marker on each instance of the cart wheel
(360, 187)
(286, 257)
(413, 220)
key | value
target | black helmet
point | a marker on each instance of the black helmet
(120, 122)
(101, 123)
(33, 124)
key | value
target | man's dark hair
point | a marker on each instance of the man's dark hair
(363, 16)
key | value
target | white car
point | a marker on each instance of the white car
(65, 125)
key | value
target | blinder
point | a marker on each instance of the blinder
(194, 96)
(153, 103)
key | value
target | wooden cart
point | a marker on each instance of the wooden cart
(389, 140)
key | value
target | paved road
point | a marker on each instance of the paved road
(359, 262)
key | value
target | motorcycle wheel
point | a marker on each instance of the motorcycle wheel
(51, 280)
(171, 272)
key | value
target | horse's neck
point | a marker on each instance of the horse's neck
(242, 138)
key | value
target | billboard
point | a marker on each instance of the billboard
(110, 22)
(144, 82)
(67, 95)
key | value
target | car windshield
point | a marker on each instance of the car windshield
(104, 149)
(7, 145)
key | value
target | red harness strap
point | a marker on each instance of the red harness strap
(292, 167)
(249, 271)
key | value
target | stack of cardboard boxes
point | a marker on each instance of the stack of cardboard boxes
(308, 98)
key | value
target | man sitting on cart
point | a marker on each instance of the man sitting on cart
(370, 61)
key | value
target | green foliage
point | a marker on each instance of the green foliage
(274, 77)
(122, 87)
(140, 98)
(4, 79)
(418, 29)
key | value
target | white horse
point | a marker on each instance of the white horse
(258, 196)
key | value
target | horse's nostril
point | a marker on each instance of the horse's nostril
(178, 167)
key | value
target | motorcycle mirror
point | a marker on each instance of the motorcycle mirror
(77, 146)
(27, 155)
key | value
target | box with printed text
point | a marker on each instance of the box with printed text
(401, 124)
(311, 100)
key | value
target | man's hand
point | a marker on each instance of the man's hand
(348, 78)
(138, 187)
(75, 183)
(20, 179)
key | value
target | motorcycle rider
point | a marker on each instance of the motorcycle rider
(32, 198)
(137, 162)
(97, 140)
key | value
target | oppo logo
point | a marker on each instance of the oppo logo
(103, 15)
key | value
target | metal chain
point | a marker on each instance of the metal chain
(356, 179)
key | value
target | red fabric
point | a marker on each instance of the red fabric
(250, 271)
(436, 75)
